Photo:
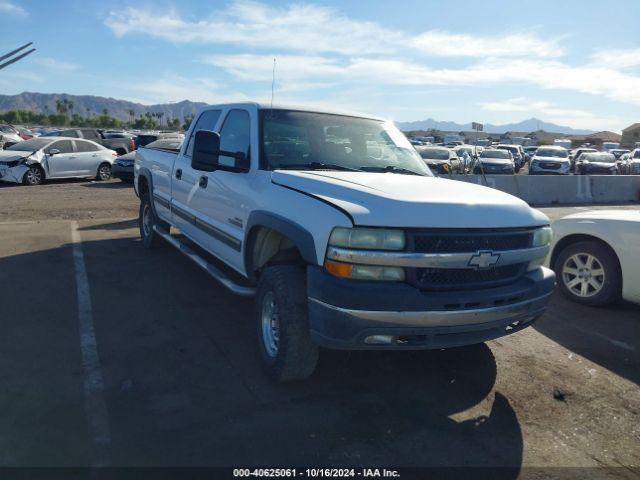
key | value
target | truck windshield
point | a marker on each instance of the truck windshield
(308, 140)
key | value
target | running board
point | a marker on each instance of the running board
(216, 273)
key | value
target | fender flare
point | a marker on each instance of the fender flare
(146, 174)
(300, 236)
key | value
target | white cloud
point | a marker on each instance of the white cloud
(318, 29)
(545, 74)
(12, 9)
(617, 58)
(308, 28)
(57, 65)
(447, 44)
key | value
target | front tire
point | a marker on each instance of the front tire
(589, 273)
(283, 326)
(104, 172)
(33, 176)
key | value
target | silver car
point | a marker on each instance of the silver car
(33, 161)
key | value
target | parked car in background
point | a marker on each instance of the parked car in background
(143, 139)
(618, 152)
(494, 161)
(529, 152)
(517, 152)
(33, 161)
(123, 166)
(120, 145)
(440, 159)
(632, 163)
(466, 154)
(9, 136)
(24, 132)
(596, 256)
(550, 160)
(598, 163)
(576, 153)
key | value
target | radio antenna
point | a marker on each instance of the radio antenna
(273, 85)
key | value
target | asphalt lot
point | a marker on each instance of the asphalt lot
(181, 382)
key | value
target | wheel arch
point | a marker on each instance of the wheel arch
(269, 235)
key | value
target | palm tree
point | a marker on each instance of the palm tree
(105, 112)
(160, 115)
(132, 115)
(69, 104)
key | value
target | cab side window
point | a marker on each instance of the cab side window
(206, 121)
(65, 146)
(234, 135)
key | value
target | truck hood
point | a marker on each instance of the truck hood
(395, 200)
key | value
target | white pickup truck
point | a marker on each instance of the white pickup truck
(346, 239)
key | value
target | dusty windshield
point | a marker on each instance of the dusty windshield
(308, 140)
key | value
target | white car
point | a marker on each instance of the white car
(596, 256)
(9, 136)
(32, 161)
(550, 161)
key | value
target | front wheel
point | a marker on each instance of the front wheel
(33, 176)
(589, 273)
(104, 172)
(283, 326)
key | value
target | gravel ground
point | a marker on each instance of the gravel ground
(183, 385)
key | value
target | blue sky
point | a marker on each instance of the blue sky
(569, 62)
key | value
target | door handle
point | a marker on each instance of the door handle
(204, 180)
(179, 173)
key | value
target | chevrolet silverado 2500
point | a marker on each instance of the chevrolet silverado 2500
(338, 228)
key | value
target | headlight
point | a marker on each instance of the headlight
(367, 238)
(542, 236)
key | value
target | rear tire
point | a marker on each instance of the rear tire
(284, 339)
(104, 172)
(147, 220)
(589, 273)
(33, 176)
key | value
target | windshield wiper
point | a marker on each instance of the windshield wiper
(391, 169)
(314, 166)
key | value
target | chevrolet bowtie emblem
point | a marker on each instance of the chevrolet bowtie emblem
(484, 259)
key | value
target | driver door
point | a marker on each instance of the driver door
(61, 159)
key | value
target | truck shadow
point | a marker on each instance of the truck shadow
(608, 336)
(184, 386)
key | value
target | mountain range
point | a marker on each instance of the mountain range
(86, 105)
(530, 125)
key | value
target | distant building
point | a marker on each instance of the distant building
(595, 139)
(630, 136)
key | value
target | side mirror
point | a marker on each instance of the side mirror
(206, 151)
(206, 154)
(54, 151)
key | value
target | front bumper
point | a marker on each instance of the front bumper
(122, 172)
(343, 313)
(538, 169)
(13, 174)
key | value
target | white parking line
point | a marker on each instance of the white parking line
(95, 405)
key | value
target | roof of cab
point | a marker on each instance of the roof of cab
(300, 108)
